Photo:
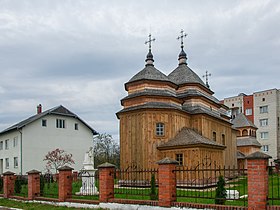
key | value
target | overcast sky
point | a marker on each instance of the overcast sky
(80, 53)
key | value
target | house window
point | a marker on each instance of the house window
(263, 109)
(214, 136)
(179, 158)
(160, 129)
(223, 139)
(1, 145)
(264, 135)
(44, 123)
(60, 123)
(263, 122)
(7, 163)
(76, 126)
(15, 141)
(263, 99)
(265, 148)
(15, 162)
(248, 112)
(7, 144)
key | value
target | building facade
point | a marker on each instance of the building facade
(263, 109)
(24, 145)
(174, 116)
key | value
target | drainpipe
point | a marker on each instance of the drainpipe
(20, 151)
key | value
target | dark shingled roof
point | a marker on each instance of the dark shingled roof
(183, 74)
(240, 155)
(194, 92)
(188, 137)
(149, 73)
(241, 121)
(59, 110)
(247, 141)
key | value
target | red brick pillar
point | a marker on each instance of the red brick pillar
(9, 183)
(106, 181)
(33, 184)
(65, 183)
(257, 166)
(166, 182)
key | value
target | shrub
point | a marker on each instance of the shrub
(153, 194)
(221, 192)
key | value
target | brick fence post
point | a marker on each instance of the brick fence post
(65, 183)
(106, 181)
(257, 167)
(33, 184)
(9, 183)
(166, 182)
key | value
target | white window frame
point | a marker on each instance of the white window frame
(180, 158)
(76, 126)
(263, 122)
(7, 163)
(263, 109)
(264, 135)
(15, 162)
(248, 112)
(15, 141)
(60, 123)
(265, 148)
(160, 129)
(44, 123)
(6, 144)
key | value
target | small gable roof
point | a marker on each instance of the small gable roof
(189, 138)
(59, 110)
(241, 121)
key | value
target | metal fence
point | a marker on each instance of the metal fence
(49, 185)
(199, 184)
(21, 186)
(86, 185)
(274, 185)
(136, 184)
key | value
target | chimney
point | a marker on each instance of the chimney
(39, 109)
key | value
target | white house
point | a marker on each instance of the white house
(24, 145)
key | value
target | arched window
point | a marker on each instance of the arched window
(244, 132)
(214, 136)
(223, 139)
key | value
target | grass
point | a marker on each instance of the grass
(34, 206)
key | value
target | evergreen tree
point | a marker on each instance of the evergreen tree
(221, 192)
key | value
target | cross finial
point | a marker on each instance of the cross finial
(150, 41)
(183, 35)
(206, 77)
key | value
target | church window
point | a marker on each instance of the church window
(214, 136)
(60, 123)
(160, 129)
(44, 123)
(179, 158)
(223, 139)
(76, 126)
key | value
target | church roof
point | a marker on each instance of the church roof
(241, 121)
(184, 75)
(189, 138)
(149, 73)
(247, 141)
(240, 155)
(59, 110)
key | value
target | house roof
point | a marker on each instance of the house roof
(188, 137)
(247, 141)
(241, 121)
(59, 110)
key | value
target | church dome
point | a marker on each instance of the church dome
(184, 75)
(149, 73)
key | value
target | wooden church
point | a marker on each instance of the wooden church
(174, 116)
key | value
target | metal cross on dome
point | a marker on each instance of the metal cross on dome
(206, 77)
(150, 41)
(183, 35)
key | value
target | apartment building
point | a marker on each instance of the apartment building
(263, 109)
